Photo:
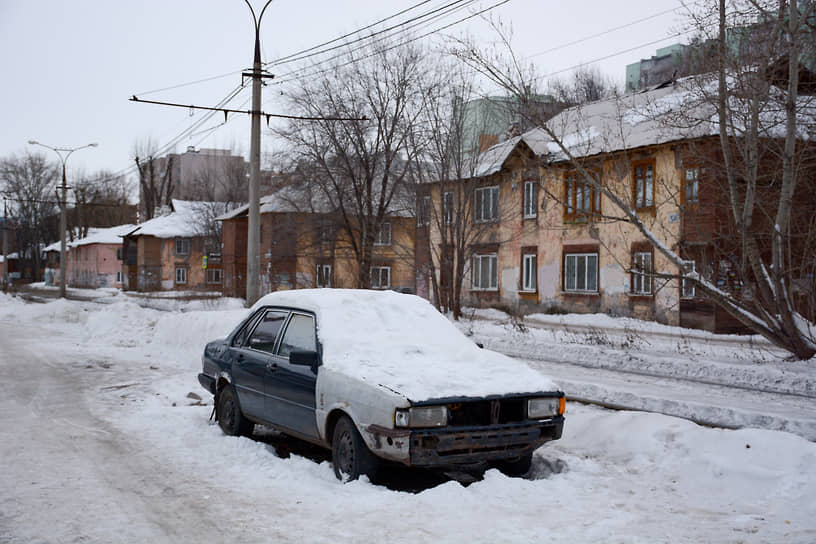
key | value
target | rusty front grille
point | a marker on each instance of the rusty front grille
(487, 412)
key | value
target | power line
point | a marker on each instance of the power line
(298, 75)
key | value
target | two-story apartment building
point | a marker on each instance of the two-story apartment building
(177, 251)
(303, 245)
(545, 239)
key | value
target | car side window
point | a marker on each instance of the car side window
(299, 335)
(266, 332)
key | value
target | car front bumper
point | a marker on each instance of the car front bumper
(461, 446)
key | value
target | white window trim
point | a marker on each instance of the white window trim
(379, 270)
(530, 201)
(326, 270)
(528, 282)
(645, 276)
(183, 281)
(597, 279)
(493, 259)
(686, 285)
(478, 213)
(381, 239)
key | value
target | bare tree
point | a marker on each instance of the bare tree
(155, 184)
(584, 85)
(360, 166)
(30, 183)
(751, 114)
(101, 200)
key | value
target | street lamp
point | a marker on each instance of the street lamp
(254, 219)
(63, 153)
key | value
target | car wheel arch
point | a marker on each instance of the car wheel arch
(331, 422)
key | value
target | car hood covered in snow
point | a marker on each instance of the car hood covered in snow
(401, 342)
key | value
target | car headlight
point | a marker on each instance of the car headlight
(421, 416)
(542, 407)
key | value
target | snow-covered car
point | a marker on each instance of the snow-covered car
(378, 375)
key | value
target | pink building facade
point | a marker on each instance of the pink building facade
(96, 260)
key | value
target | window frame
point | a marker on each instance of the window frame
(182, 269)
(685, 283)
(493, 202)
(645, 204)
(529, 201)
(424, 211)
(246, 341)
(323, 268)
(182, 246)
(379, 270)
(528, 286)
(577, 255)
(210, 271)
(695, 183)
(641, 280)
(574, 210)
(379, 239)
(493, 271)
(448, 204)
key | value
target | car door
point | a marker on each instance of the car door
(251, 357)
(290, 389)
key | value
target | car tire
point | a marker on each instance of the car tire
(517, 467)
(350, 455)
(230, 418)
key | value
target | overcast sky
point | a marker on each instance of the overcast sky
(69, 67)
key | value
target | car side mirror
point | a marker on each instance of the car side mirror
(304, 358)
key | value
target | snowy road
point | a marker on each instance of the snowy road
(102, 444)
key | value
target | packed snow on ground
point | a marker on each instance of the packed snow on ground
(615, 476)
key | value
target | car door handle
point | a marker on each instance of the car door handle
(272, 367)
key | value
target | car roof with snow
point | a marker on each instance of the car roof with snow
(402, 343)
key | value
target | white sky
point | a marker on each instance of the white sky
(70, 67)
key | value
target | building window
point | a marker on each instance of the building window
(424, 211)
(692, 192)
(119, 277)
(118, 253)
(582, 200)
(642, 273)
(487, 204)
(323, 275)
(383, 237)
(581, 272)
(485, 272)
(181, 275)
(182, 246)
(528, 272)
(213, 275)
(380, 277)
(687, 288)
(530, 199)
(447, 207)
(643, 178)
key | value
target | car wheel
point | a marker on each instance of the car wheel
(350, 455)
(230, 418)
(517, 467)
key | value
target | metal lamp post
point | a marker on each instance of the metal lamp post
(63, 153)
(254, 220)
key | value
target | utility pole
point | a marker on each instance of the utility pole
(254, 219)
(5, 245)
(63, 205)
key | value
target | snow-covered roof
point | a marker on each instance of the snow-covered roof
(401, 342)
(663, 114)
(187, 220)
(112, 235)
